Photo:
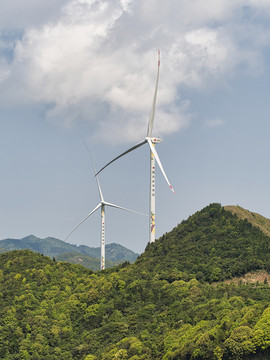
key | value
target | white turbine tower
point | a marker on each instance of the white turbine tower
(153, 156)
(101, 205)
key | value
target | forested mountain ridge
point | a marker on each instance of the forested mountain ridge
(62, 250)
(55, 310)
(211, 245)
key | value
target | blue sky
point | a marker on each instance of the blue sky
(85, 69)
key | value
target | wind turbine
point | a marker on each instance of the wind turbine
(152, 141)
(102, 206)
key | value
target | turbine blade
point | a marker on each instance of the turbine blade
(123, 208)
(99, 205)
(152, 114)
(159, 162)
(93, 164)
(124, 153)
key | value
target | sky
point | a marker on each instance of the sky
(74, 70)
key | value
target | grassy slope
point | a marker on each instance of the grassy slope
(254, 218)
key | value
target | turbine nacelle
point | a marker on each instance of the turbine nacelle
(154, 140)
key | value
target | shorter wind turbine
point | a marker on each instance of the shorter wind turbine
(101, 205)
(151, 141)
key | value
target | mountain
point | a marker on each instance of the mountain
(167, 305)
(52, 247)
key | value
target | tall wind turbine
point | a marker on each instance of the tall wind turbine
(153, 156)
(101, 205)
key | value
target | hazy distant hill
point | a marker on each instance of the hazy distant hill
(49, 246)
(171, 304)
(53, 247)
(85, 260)
(114, 252)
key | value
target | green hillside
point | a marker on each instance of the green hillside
(152, 309)
(52, 247)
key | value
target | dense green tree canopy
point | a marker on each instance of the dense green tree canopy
(171, 304)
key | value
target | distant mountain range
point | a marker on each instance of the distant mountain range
(63, 251)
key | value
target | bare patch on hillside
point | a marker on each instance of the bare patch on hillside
(260, 276)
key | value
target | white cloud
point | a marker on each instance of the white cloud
(21, 14)
(97, 59)
(118, 129)
(4, 70)
(260, 5)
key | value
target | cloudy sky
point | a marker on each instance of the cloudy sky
(85, 69)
